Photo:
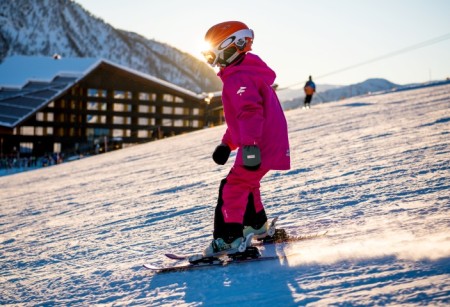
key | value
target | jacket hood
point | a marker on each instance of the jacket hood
(252, 64)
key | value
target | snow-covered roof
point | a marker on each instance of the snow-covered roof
(27, 83)
(17, 71)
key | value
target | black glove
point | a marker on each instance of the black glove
(251, 156)
(221, 154)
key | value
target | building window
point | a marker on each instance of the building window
(168, 98)
(167, 123)
(118, 120)
(179, 111)
(39, 116)
(167, 110)
(179, 100)
(147, 96)
(96, 106)
(144, 133)
(121, 120)
(142, 121)
(92, 105)
(144, 96)
(91, 92)
(120, 107)
(95, 119)
(60, 132)
(26, 130)
(57, 147)
(26, 148)
(92, 133)
(143, 109)
(122, 95)
(39, 131)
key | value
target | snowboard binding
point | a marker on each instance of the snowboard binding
(279, 235)
(204, 260)
(251, 252)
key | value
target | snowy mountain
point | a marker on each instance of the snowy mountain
(286, 94)
(373, 171)
(63, 27)
(367, 87)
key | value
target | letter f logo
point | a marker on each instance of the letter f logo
(241, 90)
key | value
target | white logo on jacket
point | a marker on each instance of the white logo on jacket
(241, 90)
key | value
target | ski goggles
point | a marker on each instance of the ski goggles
(228, 49)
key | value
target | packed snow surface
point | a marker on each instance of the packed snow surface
(372, 171)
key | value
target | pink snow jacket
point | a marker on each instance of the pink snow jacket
(253, 112)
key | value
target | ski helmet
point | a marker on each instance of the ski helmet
(227, 41)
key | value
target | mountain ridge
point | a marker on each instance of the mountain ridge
(64, 27)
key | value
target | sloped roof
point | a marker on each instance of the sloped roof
(17, 104)
(17, 71)
(29, 83)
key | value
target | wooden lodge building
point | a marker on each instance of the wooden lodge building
(79, 106)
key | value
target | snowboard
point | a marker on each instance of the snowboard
(247, 252)
(280, 236)
(218, 262)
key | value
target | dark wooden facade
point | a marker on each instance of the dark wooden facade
(109, 108)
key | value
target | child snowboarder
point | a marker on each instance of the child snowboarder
(256, 126)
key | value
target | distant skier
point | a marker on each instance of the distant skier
(310, 89)
(256, 126)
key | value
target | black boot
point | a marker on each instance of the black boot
(251, 217)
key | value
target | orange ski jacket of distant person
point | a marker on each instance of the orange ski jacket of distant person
(309, 88)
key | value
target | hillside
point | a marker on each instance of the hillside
(328, 93)
(363, 88)
(372, 171)
(63, 27)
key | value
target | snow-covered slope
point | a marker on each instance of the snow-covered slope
(373, 171)
(48, 27)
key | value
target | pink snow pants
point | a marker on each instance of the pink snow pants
(240, 183)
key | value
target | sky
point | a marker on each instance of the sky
(327, 39)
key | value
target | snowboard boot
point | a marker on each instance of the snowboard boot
(220, 246)
(257, 233)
